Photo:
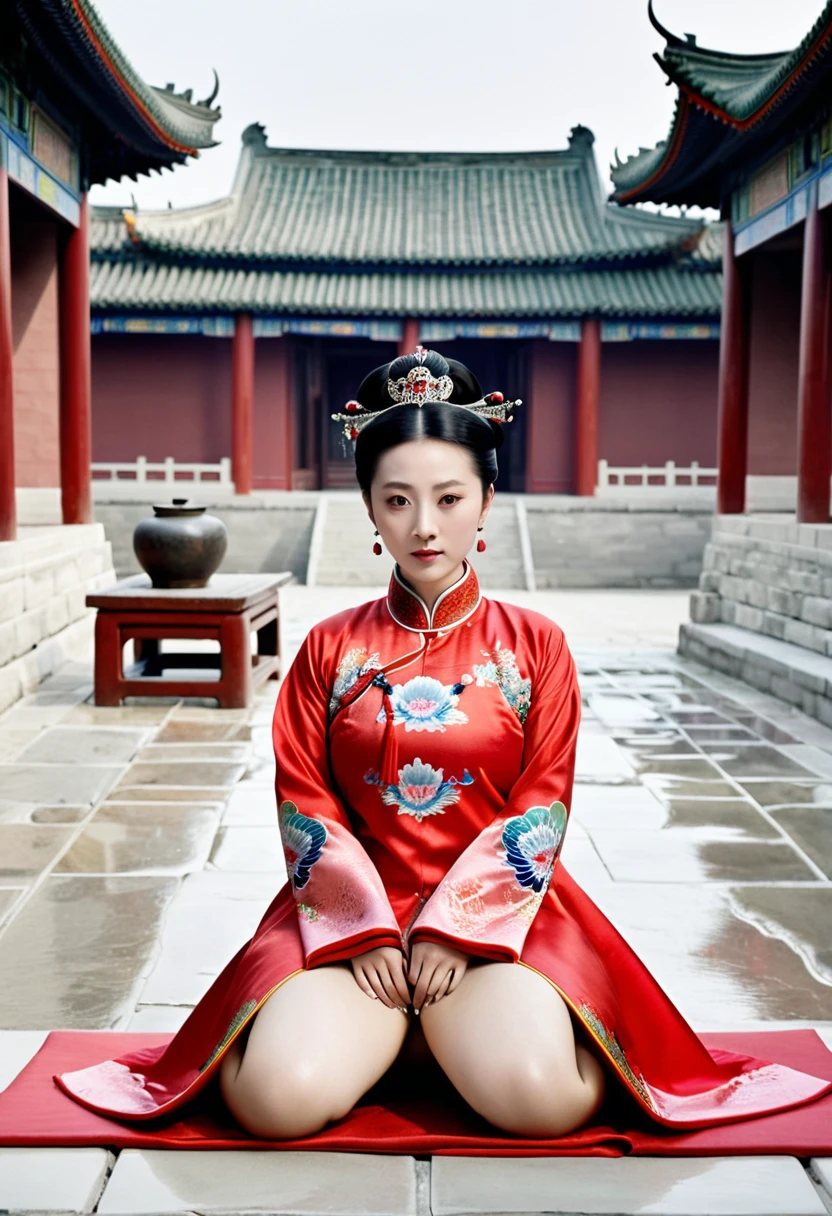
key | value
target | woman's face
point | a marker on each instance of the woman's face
(426, 501)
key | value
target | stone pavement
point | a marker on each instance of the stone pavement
(138, 849)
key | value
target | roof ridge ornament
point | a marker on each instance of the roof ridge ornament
(670, 39)
(254, 136)
(212, 96)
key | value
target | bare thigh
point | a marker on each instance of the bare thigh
(314, 1048)
(505, 1039)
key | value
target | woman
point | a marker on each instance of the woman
(425, 747)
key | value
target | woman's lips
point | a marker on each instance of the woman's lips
(426, 555)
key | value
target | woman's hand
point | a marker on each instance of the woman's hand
(434, 971)
(381, 974)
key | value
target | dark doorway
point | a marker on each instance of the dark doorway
(332, 370)
(499, 365)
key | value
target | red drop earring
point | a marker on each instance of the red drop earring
(480, 543)
(377, 547)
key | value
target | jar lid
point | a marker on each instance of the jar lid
(179, 506)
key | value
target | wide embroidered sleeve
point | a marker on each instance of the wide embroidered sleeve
(488, 899)
(342, 907)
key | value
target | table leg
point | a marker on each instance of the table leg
(268, 643)
(237, 685)
(108, 660)
(145, 650)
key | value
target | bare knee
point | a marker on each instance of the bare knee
(546, 1101)
(539, 1099)
(298, 1102)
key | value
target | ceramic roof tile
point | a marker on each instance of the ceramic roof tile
(402, 208)
(150, 285)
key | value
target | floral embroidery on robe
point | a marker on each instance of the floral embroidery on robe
(422, 789)
(501, 669)
(355, 664)
(424, 703)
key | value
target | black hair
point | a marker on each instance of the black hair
(433, 420)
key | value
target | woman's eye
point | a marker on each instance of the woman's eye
(398, 500)
(448, 500)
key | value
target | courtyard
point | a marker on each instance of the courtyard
(139, 848)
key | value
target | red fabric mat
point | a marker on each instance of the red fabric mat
(410, 1111)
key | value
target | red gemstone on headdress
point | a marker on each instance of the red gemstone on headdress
(420, 386)
(494, 398)
(353, 433)
(352, 407)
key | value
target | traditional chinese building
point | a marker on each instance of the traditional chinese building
(72, 112)
(237, 327)
(752, 135)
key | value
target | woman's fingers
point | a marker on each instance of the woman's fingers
(456, 978)
(397, 979)
(443, 988)
(361, 980)
(375, 981)
(422, 988)
(388, 983)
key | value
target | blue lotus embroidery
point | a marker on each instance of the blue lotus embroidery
(422, 789)
(303, 842)
(532, 842)
(425, 704)
(501, 669)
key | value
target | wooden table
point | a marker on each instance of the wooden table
(228, 611)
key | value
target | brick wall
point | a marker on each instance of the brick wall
(36, 352)
(769, 576)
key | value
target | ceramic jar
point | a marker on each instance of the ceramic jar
(180, 545)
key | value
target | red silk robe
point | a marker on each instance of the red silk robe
(424, 778)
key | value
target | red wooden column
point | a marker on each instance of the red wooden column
(587, 390)
(8, 514)
(242, 403)
(814, 421)
(76, 374)
(284, 406)
(410, 336)
(732, 400)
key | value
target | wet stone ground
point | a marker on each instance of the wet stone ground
(139, 848)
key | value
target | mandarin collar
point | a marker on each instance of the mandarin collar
(455, 605)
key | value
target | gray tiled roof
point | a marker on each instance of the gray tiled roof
(404, 208)
(406, 234)
(149, 285)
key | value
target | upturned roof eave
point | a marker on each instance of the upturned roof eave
(805, 55)
(151, 131)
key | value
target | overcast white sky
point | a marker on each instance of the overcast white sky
(467, 75)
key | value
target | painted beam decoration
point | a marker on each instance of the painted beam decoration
(37, 154)
(391, 331)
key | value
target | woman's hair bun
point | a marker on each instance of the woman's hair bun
(373, 395)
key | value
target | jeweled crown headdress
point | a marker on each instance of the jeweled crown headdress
(418, 387)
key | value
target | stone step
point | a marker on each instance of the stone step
(45, 577)
(790, 672)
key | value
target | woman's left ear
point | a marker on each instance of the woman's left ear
(489, 498)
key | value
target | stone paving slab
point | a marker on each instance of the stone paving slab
(54, 1180)
(609, 1186)
(79, 745)
(152, 1183)
(821, 1170)
(73, 955)
(17, 1047)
